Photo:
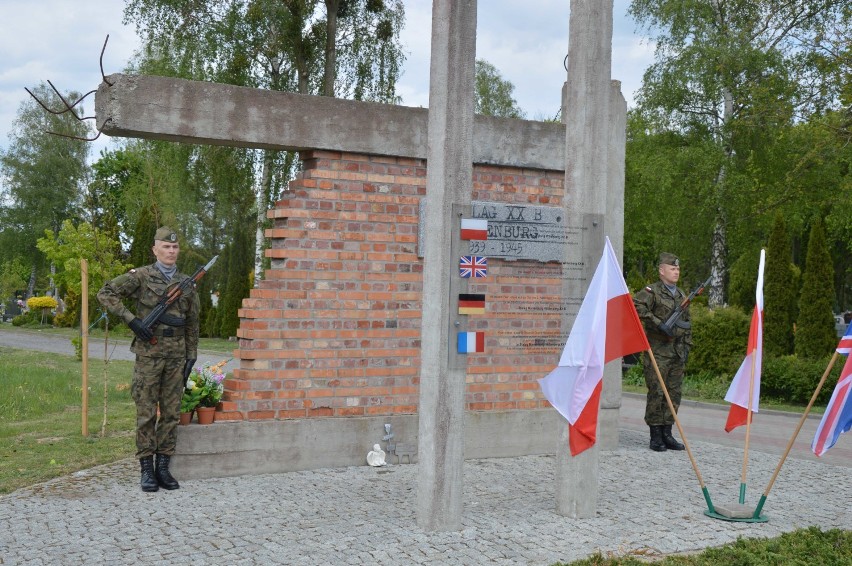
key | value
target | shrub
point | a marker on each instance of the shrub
(45, 302)
(70, 317)
(792, 379)
(634, 375)
(720, 339)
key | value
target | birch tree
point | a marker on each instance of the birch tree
(733, 71)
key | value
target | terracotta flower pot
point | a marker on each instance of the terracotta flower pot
(185, 418)
(206, 415)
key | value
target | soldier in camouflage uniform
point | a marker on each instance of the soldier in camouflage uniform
(161, 369)
(654, 304)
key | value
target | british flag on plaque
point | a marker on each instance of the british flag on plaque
(473, 266)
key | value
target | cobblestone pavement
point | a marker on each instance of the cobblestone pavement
(649, 504)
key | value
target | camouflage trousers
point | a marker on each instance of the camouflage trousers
(657, 410)
(157, 383)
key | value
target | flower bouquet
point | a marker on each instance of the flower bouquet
(204, 387)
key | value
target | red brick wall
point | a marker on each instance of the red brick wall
(334, 328)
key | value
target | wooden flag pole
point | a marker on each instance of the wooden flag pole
(795, 434)
(84, 340)
(704, 490)
(748, 428)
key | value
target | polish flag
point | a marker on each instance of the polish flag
(748, 376)
(607, 327)
(474, 229)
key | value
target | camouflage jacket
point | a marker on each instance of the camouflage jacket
(147, 285)
(655, 304)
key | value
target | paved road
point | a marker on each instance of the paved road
(116, 349)
(649, 504)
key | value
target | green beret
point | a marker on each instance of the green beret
(165, 234)
(669, 259)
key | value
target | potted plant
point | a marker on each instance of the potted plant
(204, 387)
(189, 401)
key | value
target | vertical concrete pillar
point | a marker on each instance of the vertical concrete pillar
(588, 131)
(449, 180)
(611, 393)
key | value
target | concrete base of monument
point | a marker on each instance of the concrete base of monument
(267, 447)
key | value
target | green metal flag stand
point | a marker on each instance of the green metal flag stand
(804, 416)
(740, 512)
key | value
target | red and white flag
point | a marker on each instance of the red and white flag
(474, 229)
(607, 327)
(748, 376)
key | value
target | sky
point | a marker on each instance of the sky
(61, 41)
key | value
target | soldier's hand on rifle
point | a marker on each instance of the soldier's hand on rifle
(140, 330)
(187, 369)
(665, 329)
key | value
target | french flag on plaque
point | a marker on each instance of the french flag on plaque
(474, 229)
(471, 342)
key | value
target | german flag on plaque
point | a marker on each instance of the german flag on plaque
(471, 342)
(474, 229)
(471, 303)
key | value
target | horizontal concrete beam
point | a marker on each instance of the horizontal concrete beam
(268, 447)
(163, 108)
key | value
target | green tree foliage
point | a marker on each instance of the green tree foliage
(143, 238)
(237, 285)
(493, 93)
(742, 281)
(815, 333)
(13, 277)
(779, 303)
(737, 74)
(115, 178)
(72, 244)
(43, 175)
(665, 204)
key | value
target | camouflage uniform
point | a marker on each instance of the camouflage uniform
(158, 373)
(654, 304)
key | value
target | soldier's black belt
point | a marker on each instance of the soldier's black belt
(168, 332)
(170, 320)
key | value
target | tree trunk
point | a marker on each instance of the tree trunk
(31, 283)
(331, 8)
(719, 245)
(264, 189)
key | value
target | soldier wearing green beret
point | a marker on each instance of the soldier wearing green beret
(161, 367)
(654, 304)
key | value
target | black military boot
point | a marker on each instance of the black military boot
(164, 477)
(669, 440)
(149, 483)
(657, 444)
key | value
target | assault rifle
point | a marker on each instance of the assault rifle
(158, 314)
(674, 320)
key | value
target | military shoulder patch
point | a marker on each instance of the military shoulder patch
(648, 289)
(132, 271)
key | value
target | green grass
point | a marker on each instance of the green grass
(41, 416)
(802, 547)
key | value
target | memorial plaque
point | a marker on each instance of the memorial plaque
(515, 232)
